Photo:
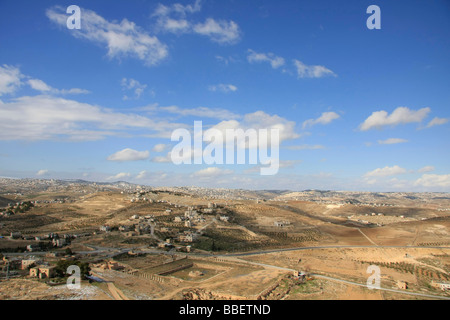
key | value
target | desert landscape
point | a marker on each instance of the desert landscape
(144, 243)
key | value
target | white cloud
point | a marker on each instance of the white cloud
(223, 32)
(141, 175)
(305, 71)
(41, 86)
(211, 172)
(123, 39)
(426, 169)
(433, 180)
(176, 26)
(10, 79)
(325, 118)
(119, 176)
(261, 120)
(42, 172)
(46, 117)
(437, 122)
(129, 155)
(164, 159)
(178, 8)
(223, 88)
(386, 171)
(160, 147)
(132, 84)
(401, 115)
(253, 122)
(173, 19)
(392, 141)
(274, 60)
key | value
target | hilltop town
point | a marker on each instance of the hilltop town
(142, 242)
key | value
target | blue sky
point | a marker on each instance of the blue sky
(359, 109)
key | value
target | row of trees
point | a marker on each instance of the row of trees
(62, 265)
(20, 208)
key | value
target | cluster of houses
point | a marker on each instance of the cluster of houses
(57, 240)
(281, 224)
(146, 224)
(36, 268)
(191, 217)
(142, 225)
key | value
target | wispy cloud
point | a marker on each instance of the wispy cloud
(133, 85)
(325, 118)
(437, 122)
(45, 117)
(122, 40)
(426, 169)
(223, 88)
(43, 87)
(10, 79)
(119, 176)
(392, 141)
(174, 19)
(255, 57)
(160, 147)
(220, 31)
(312, 71)
(213, 113)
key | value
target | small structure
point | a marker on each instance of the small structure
(403, 285)
(105, 228)
(188, 238)
(300, 276)
(42, 272)
(59, 242)
(281, 224)
(113, 265)
(444, 286)
(27, 263)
